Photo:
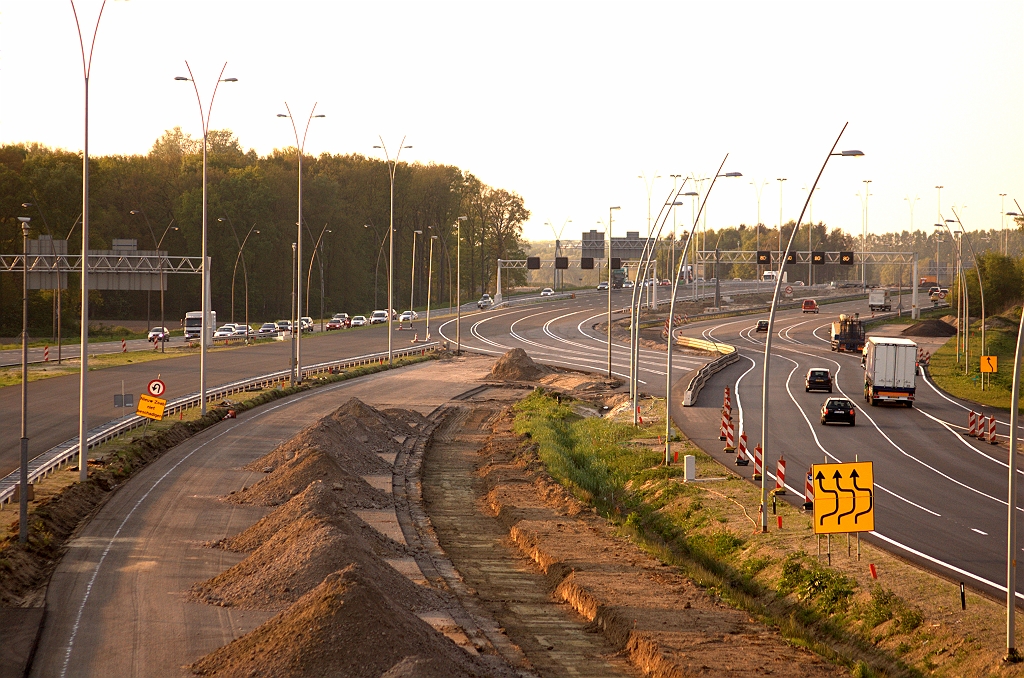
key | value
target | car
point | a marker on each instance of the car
(159, 334)
(378, 317)
(343, 317)
(336, 323)
(713, 280)
(306, 323)
(737, 279)
(267, 330)
(359, 321)
(809, 306)
(284, 325)
(627, 284)
(799, 283)
(818, 379)
(485, 301)
(665, 283)
(408, 316)
(224, 331)
(602, 286)
(932, 290)
(243, 331)
(762, 325)
(547, 292)
(838, 409)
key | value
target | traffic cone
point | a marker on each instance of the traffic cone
(725, 425)
(741, 453)
(730, 444)
(808, 491)
(757, 461)
(992, 431)
(971, 424)
(780, 476)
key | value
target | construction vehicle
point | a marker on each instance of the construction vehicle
(890, 370)
(848, 334)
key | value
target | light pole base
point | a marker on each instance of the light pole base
(1013, 656)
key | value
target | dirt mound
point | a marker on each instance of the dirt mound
(308, 465)
(296, 560)
(346, 626)
(949, 320)
(414, 420)
(319, 500)
(933, 327)
(516, 365)
(1001, 322)
(354, 435)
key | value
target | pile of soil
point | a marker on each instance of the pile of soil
(345, 626)
(949, 320)
(933, 327)
(308, 465)
(516, 365)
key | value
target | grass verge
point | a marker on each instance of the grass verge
(63, 504)
(906, 623)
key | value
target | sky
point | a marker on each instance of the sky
(567, 103)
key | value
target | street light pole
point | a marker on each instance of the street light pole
(245, 273)
(412, 276)
(23, 480)
(1002, 221)
(207, 331)
(780, 221)
(672, 256)
(458, 285)
(318, 254)
(160, 266)
(771, 324)
(83, 397)
(609, 327)
(863, 259)
(430, 276)
(757, 228)
(300, 148)
(392, 164)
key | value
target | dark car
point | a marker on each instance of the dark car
(838, 409)
(762, 325)
(818, 379)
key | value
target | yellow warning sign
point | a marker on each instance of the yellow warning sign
(151, 407)
(989, 363)
(844, 497)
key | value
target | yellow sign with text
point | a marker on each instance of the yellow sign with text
(151, 407)
(844, 497)
(989, 363)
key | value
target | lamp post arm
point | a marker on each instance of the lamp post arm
(161, 241)
(981, 289)
(771, 329)
(87, 62)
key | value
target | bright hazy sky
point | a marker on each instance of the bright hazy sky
(566, 103)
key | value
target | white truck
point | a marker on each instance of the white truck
(878, 300)
(890, 370)
(772, 276)
(193, 325)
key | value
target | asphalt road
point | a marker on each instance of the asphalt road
(123, 580)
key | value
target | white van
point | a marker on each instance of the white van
(772, 276)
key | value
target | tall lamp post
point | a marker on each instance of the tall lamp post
(207, 331)
(23, 480)
(392, 164)
(1002, 221)
(558, 242)
(609, 324)
(57, 289)
(780, 180)
(376, 268)
(318, 254)
(160, 266)
(758, 189)
(672, 255)
(412, 275)
(245, 273)
(863, 260)
(83, 396)
(300, 147)
(430, 277)
(458, 284)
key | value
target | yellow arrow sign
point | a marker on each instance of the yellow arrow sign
(844, 497)
(151, 407)
(989, 363)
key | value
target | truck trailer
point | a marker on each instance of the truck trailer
(848, 334)
(890, 370)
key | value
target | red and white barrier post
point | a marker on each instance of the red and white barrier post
(971, 424)
(758, 462)
(124, 346)
(992, 431)
(741, 453)
(808, 491)
(780, 476)
(725, 425)
(730, 437)
(46, 354)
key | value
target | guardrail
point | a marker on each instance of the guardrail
(728, 355)
(57, 456)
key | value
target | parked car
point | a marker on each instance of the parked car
(547, 292)
(224, 331)
(809, 306)
(838, 409)
(359, 320)
(485, 302)
(762, 325)
(378, 317)
(267, 330)
(284, 325)
(602, 286)
(243, 331)
(408, 316)
(159, 334)
(818, 379)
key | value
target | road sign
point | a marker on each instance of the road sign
(150, 407)
(942, 295)
(989, 363)
(844, 497)
(156, 388)
(789, 290)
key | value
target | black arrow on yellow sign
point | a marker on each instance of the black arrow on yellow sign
(821, 486)
(871, 495)
(853, 495)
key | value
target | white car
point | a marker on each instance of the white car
(159, 334)
(602, 286)
(547, 292)
(359, 321)
(225, 331)
(306, 323)
(408, 316)
(485, 302)
(378, 317)
(243, 331)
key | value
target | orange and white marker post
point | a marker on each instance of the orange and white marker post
(730, 437)
(780, 476)
(809, 491)
(723, 432)
(992, 431)
(46, 354)
(758, 461)
(972, 424)
(124, 346)
(741, 453)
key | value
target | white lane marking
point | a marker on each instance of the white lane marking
(736, 389)
(974, 529)
(815, 333)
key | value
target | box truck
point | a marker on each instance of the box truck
(878, 300)
(193, 324)
(890, 370)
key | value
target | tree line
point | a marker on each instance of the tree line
(346, 206)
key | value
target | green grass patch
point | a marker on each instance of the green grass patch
(1000, 340)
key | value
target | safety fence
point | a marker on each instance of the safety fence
(727, 355)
